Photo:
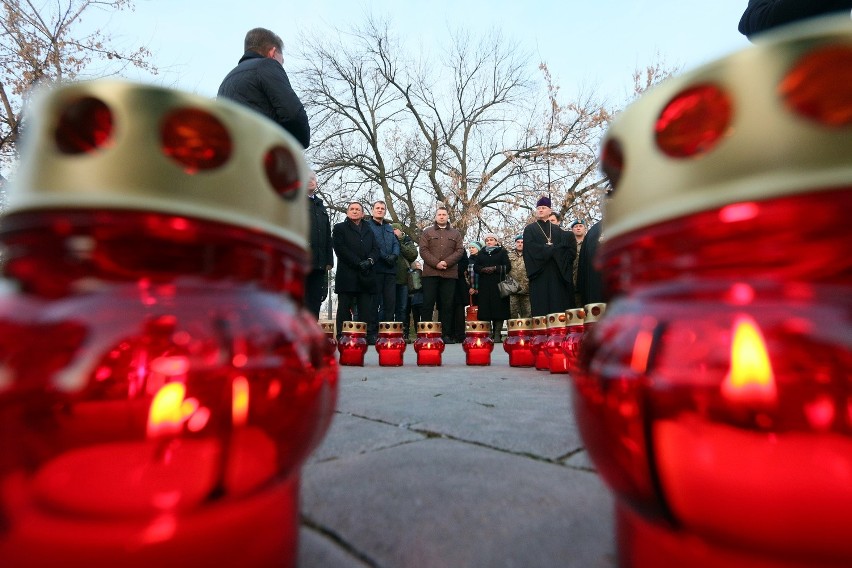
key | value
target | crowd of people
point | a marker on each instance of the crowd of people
(378, 277)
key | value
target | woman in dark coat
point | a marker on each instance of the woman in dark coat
(491, 265)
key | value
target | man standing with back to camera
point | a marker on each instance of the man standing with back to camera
(260, 82)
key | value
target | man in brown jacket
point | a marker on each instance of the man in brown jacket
(441, 249)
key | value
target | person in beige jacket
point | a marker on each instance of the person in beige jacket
(441, 249)
(519, 302)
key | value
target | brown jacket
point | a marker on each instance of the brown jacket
(438, 244)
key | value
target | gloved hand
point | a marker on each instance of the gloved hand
(390, 259)
(365, 265)
(489, 270)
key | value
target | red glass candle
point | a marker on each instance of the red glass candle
(478, 343)
(539, 339)
(328, 328)
(161, 383)
(715, 395)
(573, 336)
(429, 346)
(390, 345)
(517, 342)
(353, 343)
(557, 359)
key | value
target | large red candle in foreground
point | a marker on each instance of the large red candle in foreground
(715, 396)
(162, 383)
(390, 345)
(478, 343)
(353, 343)
(517, 342)
(429, 346)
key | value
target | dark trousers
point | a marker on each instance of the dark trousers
(441, 291)
(384, 301)
(316, 289)
(346, 304)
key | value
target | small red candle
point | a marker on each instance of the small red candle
(558, 361)
(539, 339)
(328, 328)
(353, 343)
(517, 342)
(429, 346)
(573, 336)
(478, 344)
(390, 344)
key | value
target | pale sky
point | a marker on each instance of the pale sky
(588, 44)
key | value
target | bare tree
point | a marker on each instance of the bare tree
(469, 130)
(44, 43)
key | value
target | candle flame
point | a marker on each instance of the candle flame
(641, 351)
(751, 377)
(240, 401)
(167, 410)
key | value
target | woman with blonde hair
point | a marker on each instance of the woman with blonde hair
(491, 265)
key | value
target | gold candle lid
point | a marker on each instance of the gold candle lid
(477, 326)
(520, 324)
(594, 312)
(754, 125)
(428, 327)
(390, 327)
(556, 320)
(327, 326)
(575, 316)
(354, 327)
(539, 322)
(111, 144)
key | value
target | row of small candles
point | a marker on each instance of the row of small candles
(548, 343)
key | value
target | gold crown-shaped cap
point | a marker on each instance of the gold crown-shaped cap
(558, 319)
(575, 316)
(327, 326)
(477, 326)
(390, 327)
(594, 312)
(539, 322)
(118, 145)
(761, 123)
(354, 327)
(428, 327)
(519, 324)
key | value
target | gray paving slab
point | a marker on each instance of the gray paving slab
(444, 503)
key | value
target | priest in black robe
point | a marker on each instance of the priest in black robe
(549, 259)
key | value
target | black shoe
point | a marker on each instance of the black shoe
(371, 341)
(448, 340)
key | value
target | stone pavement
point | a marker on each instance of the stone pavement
(453, 466)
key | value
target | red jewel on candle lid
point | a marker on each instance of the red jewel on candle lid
(390, 344)
(556, 326)
(429, 345)
(478, 343)
(353, 343)
(539, 339)
(518, 342)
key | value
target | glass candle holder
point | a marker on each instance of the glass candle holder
(539, 339)
(714, 396)
(429, 345)
(390, 344)
(162, 383)
(517, 342)
(557, 359)
(328, 328)
(574, 331)
(353, 343)
(477, 343)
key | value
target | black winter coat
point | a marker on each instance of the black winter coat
(261, 83)
(491, 306)
(320, 236)
(352, 244)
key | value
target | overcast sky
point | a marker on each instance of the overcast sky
(587, 44)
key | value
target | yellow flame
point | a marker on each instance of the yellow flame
(167, 413)
(240, 401)
(750, 377)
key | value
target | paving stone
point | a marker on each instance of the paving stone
(350, 435)
(438, 502)
(319, 551)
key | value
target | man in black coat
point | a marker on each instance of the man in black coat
(590, 283)
(549, 259)
(357, 253)
(319, 239)
(260, 82)
(763, 15)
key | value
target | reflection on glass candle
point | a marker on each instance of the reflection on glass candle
(429, 346)
(517, 342)
(353, 343)
(539, 339)
(557, 359)
(390, 345)
(573, 337)
(478, 343)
